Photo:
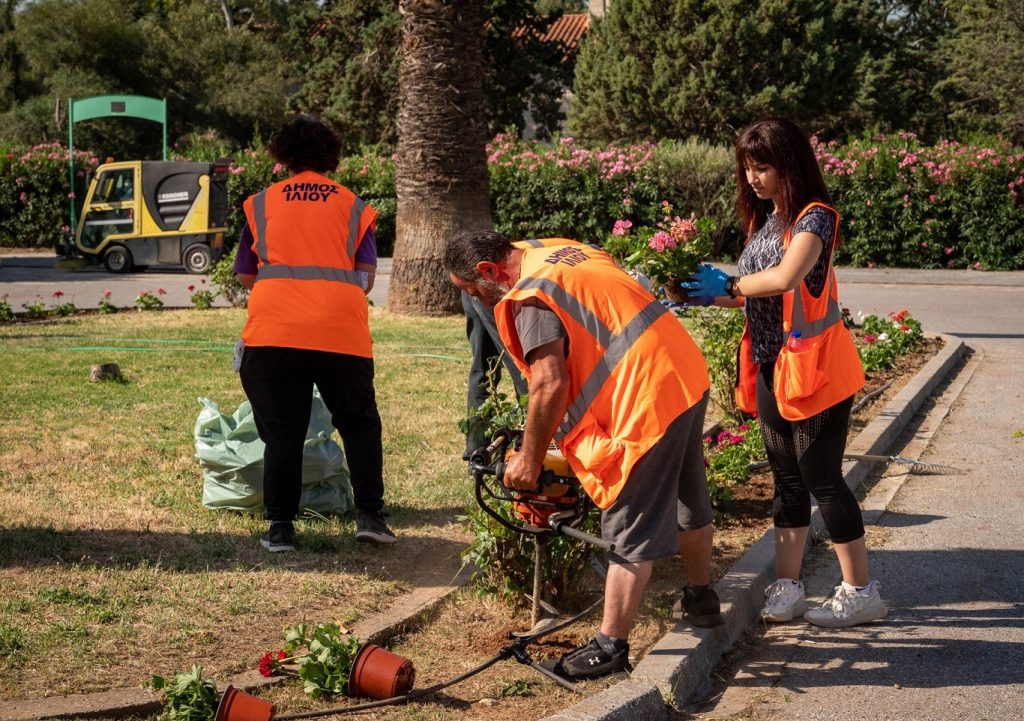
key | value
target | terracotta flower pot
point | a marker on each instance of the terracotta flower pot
(379, 674)
(237, 705)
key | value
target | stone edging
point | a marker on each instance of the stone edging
(673, 670)
(678, 665)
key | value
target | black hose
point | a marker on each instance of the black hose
(514, 650)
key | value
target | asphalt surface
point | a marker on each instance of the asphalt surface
(31, 278)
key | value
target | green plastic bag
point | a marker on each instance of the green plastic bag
(231, 454)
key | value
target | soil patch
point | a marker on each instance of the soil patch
(470, 630)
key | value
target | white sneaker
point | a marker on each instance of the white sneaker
(784, 599)
(849, 607)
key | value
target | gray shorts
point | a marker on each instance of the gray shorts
(643, 522)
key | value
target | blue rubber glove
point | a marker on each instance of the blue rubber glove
(703, 300)
(707, 281)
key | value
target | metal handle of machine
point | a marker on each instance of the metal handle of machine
(561, 526)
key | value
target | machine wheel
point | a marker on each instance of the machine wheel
(117, 259)
(197, 259)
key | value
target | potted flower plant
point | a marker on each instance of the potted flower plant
(330, 660)
(666, 253)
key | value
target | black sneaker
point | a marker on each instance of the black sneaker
(280, 537)
(701, 608)
(372, 528)
(592, 661)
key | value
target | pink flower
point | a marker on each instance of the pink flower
(621, 227)
(106, 293)
(661, 241)
(278, 168)
(683, 231)
(161, 291)
(947, 251)
(924, 243)
(869, 339)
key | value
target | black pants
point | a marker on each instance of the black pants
(485, 343)
(279, 384)
(806, 458)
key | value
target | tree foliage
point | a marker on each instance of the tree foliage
(212, 76)
(350, 68)
(655, 69)
(986, 68)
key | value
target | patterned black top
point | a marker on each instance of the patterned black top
(764, 315)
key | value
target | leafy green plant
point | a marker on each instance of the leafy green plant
(6, 312)
(323, 655)
(105, 306)
(666, 252)
(729, 455)
(883, 339)
(718, 331)
(148, 301)
(505, 558)
(222, 276)
(34, 311)
(201, 298)
(187, 696)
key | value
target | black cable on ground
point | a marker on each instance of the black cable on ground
(515, 650)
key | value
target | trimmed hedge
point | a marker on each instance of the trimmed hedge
(951, 205)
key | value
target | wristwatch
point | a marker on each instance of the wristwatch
(730, 286)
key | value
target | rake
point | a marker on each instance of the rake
(913, 466)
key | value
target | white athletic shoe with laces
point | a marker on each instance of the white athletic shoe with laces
(849, 607)
(783, 600)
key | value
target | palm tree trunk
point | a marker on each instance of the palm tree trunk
(441, 167)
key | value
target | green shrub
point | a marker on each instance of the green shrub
(718, 332)
(729, 456)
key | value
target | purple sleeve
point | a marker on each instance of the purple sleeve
(245, 259)
(367, 250)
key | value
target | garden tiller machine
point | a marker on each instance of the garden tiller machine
(556, 506)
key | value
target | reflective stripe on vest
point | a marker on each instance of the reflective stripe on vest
(615, 352)
(810, 329)
(615, 345)
(268, 270)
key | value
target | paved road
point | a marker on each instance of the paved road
(28, 279)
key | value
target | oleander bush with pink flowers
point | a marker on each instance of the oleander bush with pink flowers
(904, 204)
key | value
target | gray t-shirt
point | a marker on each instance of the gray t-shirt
(537, 325)
(764, 315)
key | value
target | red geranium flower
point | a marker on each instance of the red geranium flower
(271, 661)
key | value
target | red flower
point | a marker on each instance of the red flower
(58, 294)
(191, 288)
(271, 661)
(161, 291)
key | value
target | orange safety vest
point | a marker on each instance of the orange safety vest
(633, 368)
(826, 369)
(306, 230)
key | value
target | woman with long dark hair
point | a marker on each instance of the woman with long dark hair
(798, 368)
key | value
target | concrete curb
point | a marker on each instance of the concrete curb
(678, 666)
(674, 670)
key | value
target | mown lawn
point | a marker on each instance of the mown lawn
(110, 567)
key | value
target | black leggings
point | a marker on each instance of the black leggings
(279, 384)
(807, 458)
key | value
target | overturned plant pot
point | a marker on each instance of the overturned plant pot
(379, 674)
(237, 705)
